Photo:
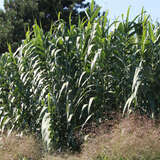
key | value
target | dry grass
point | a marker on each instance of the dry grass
(14, 147)
(63, 156)
(134, 138)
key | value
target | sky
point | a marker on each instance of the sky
(117, 7)
(1, 3)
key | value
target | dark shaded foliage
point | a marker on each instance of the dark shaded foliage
(21, 14)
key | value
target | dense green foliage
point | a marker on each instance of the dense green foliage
(57, 81)
(18, 15)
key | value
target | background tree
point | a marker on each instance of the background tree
(19, 14)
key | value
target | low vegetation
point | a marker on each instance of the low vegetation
(18, 147)
(130, 138)
(134, 138)
(58, 82)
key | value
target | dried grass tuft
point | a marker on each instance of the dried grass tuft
(134, 138)
(16, 147)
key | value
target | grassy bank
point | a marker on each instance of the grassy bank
(132, 138)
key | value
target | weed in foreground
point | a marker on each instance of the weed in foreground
(134, 138)
(18, 147)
